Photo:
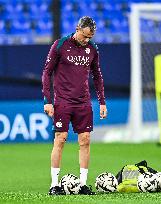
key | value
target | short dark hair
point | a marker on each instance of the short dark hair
(87, 21)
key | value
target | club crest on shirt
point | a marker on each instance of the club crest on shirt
(87, 50)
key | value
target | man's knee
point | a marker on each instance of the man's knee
(60, 137)
(84, 139)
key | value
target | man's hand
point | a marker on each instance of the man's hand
(103, 111)
(48, 109)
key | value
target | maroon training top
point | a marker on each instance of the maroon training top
(68, 65)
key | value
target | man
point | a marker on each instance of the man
(70, 61)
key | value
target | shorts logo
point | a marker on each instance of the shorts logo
(59, 124)
(87, 50)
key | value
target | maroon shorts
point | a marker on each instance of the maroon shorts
(80, 117)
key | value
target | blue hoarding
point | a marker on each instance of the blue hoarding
(25, 121)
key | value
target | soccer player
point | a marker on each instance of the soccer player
(70, 61)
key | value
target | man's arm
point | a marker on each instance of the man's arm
(98, 83)
(51, 61)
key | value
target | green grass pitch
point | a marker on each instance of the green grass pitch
(25, 172)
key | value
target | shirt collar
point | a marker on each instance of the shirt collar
(75, 41)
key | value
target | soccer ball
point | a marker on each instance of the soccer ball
(70, 184)
(159, 180)
(147, 182)
(106, 182)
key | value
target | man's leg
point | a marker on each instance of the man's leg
(84, 155)
(56, 155)
(82, 122)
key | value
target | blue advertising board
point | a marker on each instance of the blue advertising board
(25, 121)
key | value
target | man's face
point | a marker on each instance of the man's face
(83, 35)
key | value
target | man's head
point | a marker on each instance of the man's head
(85, 30)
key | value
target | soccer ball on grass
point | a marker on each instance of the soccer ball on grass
(70, 184)
(159, 180)
(147, 182)
(106, 182)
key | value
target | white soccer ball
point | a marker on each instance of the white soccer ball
(106, 182)
(70, 184)
(159, 180)
(147, 182)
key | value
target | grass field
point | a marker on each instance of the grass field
(25, 172)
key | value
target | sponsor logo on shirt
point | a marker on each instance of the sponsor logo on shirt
(79, 60)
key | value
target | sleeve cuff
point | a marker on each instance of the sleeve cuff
(46, 101)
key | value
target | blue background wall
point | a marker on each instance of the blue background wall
(26, 62)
